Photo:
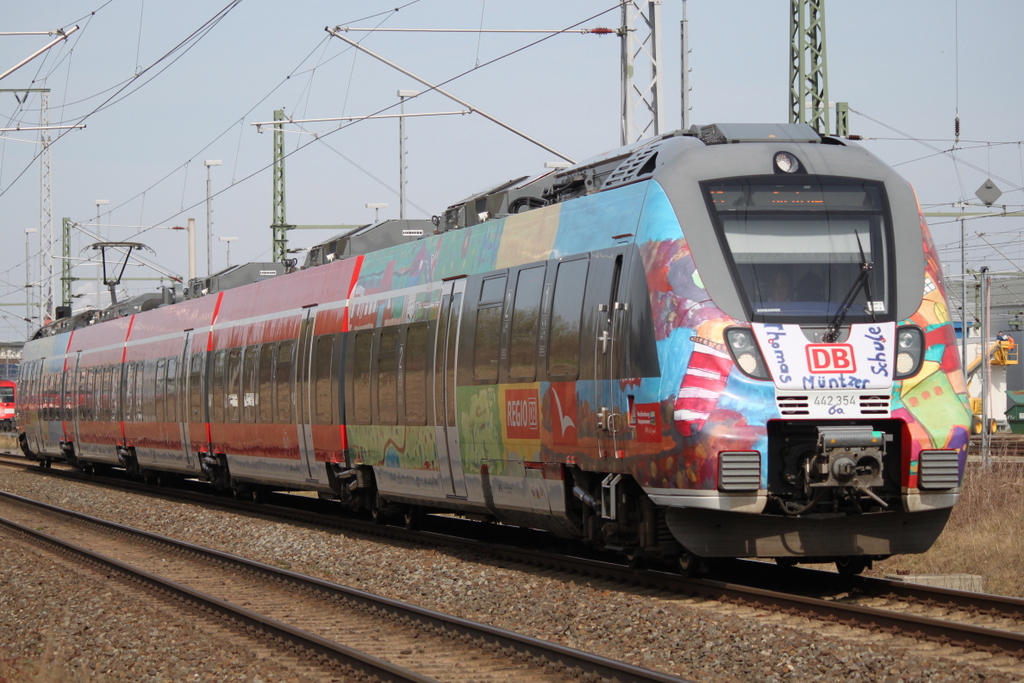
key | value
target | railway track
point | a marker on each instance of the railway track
(974, 622)
(339, 628)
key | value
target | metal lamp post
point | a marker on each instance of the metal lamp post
(376, 206)
(99, 273)
(209, 217)
(28, 282)
(402, 95)
(228, 241)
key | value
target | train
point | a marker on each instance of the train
(8, 389)
(731, 341)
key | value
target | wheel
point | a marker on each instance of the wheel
(785, 562)
(634, 558)
(853, 565)
(412, 518)
(689, 564)
(377, 515)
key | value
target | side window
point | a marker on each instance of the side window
(564, 344)
(149, 379)
(525, 316)
(217, 386)
(160, 390)
(323, 387)
(140, 373)
(196, 389)
(115, 392)
(171, 404)
(231, 389)
(283, 382)
(416, 374)
(249, 386)
(361, 376)
(129, 392)
(264, 398)
(387, 377)
(488, 329)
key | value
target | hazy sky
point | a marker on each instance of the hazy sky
(164, 86)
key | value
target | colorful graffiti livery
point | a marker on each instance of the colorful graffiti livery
(725, 342)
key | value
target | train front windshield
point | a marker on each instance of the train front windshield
(6, 394)
(805, 249)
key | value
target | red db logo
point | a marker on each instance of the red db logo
(830, 358)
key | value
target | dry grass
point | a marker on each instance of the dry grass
(985, 534)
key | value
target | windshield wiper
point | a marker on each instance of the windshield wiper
(832, 331)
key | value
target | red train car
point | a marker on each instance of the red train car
(8, 388)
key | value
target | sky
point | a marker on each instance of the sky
(162, 87)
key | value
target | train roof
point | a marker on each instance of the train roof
(615, 168)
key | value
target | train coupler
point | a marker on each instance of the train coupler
(848, 457)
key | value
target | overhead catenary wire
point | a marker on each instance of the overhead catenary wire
(321, 137)
(245, 178)
(179, 50)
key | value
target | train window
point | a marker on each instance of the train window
(54, 396)
(103, 384)
(249, 386)
(84, 395)
(231, 388)
(137, 389)
(492, 290)
(116, 380)
(525, 315)
(283, 389)
(148, 371)
(128, 373)
(47, 392)
(195, 388)
(564, 344)
(387, 377)
(488, 329)
(361, 377)
(805, 249)
(171, 396)
(323, 386)
(217, 386)
(264, 400)
(160, 390)
(415, 372)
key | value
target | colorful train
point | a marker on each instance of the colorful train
(731, 341)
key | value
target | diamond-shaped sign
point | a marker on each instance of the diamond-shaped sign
(988, 193)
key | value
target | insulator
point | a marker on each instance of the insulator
(956, 126)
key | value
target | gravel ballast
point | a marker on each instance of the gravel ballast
(56, 619)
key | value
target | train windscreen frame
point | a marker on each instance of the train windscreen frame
(806, 249)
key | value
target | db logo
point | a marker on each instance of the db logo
(830, 358)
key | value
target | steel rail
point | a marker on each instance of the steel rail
(342, 654)
(929, 628)
(550, 652)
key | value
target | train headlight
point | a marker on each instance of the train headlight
(909, 351)
(744, 351)
(786, 163)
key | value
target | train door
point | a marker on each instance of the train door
(79, 397)
(609, 352)
(304, 384)
(446, 348)
(191, 414)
